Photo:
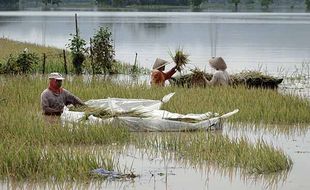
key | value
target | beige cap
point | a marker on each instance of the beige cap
(218, 63)
(160, 63)
(56, 76)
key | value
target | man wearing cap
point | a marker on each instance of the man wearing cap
(158, 77)
(54, 98)
(221, 76)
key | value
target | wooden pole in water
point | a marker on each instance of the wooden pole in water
(65, 61)
(91, 55)
(136, 59)
(44, 59)
(76, 26)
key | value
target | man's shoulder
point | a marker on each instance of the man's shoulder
(46, 91)
(218, 73)
(65, 91)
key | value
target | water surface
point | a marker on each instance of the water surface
(266, 41)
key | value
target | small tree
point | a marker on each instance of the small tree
(103, 51)
(10, 67)
(307, 2)
(27, 61)
(24, 63)
(77, 47)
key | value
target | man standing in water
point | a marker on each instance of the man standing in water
(158, 77)
(54, 98)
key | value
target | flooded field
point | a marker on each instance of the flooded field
(157, 171)
(246, 41)
(270, 41)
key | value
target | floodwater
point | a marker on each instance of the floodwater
(273, 42)
(158, 171)
(266, 41)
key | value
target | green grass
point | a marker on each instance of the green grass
(26, 137)
(255, 105)
(200, 148)
(54, 58)
(19, 161)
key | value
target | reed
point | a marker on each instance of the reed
(25, 134)
(202, 148)
(267, 107)
(20, 161)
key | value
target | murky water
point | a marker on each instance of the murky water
(267, 41)
(157, 171)
(246, 41)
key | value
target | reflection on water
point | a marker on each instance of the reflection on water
(294, 142)
(165, 171)
(245, 40)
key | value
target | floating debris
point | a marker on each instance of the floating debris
(113, 174)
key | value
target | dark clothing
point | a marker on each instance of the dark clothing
(53, 103)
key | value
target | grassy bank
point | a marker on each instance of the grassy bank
(54, 58)
(30, 147)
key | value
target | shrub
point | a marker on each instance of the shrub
(22, 64)
(77, 47)
(103, 51)
(307, 2)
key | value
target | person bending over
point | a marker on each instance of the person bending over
(54, 98)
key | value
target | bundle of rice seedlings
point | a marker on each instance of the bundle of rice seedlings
(198, 78)
(255, 79)
(179, 58)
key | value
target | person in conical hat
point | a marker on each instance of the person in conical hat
(221, 76)
(158, 76)
(54, 98)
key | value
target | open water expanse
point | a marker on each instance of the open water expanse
(267, 41)
(272, 42)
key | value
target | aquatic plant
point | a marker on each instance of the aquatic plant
(202, 148)
(27, 133)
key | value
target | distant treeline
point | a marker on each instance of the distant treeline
(124, 3)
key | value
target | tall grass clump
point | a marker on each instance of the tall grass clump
(24, 131)
(19, 161)
(32, 147)
(267, 107)
(201, 149)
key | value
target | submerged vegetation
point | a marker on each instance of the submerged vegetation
(201, 148)
(32, 148)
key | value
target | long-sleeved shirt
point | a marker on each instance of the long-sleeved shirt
(219, 78)
(159, 77)
(53, 103)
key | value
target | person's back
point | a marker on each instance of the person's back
(158, 77)
(220, 78)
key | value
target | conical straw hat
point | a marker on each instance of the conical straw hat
(159, 63)
(218, 63)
